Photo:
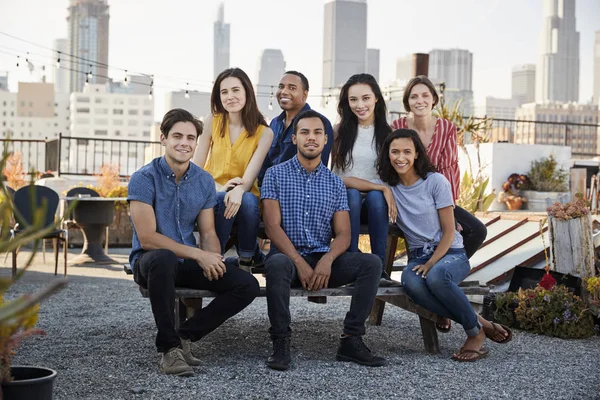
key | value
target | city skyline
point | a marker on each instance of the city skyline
(557, 70)
(175, 50)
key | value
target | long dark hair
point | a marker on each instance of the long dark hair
(251, 115)
(348, 126)
(422, 165)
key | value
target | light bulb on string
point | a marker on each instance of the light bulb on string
(90, 74)
(150, 95)
(125, 81)
(17, 61)
(27, 58)
(187, 92)
(58, 61)
(271, 100)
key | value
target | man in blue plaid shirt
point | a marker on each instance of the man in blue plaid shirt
(303, 201)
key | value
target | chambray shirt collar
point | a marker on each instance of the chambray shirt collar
(168, 173)
(281, 119)
(297, 166)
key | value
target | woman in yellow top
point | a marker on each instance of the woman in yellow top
(233, 154)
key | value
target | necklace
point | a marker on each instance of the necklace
(366, 126)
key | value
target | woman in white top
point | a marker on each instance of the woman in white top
(358, 137)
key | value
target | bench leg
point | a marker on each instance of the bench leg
(191, 305)
(180, 313)
(376, 315)
(377, 312)
(430, 338)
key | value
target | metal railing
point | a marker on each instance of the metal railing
(69, 155)
(582, 138)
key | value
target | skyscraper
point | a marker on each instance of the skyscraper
(344, 41)
(270, 69)
(557, 72)
(220, 42)
(523, 83)
(404, 68)
(454, 67)
(373, 62)
(597, 69)
(87, 42)
(61, 75)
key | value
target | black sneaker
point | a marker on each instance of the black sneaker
(352, 348)
(280, 359)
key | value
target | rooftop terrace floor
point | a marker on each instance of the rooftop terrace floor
(100, 339)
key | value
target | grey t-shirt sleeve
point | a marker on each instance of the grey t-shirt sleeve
(441, 191)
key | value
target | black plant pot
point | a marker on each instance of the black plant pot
(30, 383)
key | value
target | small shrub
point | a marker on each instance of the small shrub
(555, 312)
(545, 177)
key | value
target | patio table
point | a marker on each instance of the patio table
(93, 215)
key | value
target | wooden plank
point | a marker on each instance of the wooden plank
(571, 246)
(493, 220)
(578, 181)
(504, 232)
(505, 252)
(470, 289)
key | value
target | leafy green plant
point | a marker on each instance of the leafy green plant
(472, 195)
(553, 312)
(544, 176)
(18, 316)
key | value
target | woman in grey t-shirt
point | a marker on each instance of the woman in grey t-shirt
(437, 260)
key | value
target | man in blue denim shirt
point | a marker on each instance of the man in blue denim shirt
(303, 203)
(291, 96)
(166, 197)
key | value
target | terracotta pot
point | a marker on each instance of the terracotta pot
(514, 204)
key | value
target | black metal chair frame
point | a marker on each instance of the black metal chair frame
(39, 196)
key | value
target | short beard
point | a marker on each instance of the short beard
(310, 156)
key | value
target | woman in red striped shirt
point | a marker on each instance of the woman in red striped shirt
(439, 137)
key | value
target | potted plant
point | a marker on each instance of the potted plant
(18, 316)
(571, 239)
(511, 195)
(546, 181)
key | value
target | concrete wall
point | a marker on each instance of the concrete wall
(499, 160)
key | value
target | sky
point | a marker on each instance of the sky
(174, 40)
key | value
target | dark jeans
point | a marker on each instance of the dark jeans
(373, 210)
(160, 272)
(474, 231)
(246, 220)
(363, 269)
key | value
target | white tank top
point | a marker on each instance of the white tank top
(364, 157)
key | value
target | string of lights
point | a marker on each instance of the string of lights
(62, 59)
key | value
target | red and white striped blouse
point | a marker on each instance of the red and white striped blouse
(442, 151)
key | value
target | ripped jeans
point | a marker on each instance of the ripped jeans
(439, 291)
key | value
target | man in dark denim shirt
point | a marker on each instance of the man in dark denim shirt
(291, 96)
(167, 196)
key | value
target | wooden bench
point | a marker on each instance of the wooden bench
(188, 300)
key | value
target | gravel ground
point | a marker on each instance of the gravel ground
(101, 341)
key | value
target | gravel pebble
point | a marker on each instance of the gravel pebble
(100, 339)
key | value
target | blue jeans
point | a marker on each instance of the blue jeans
(246, 220)
(439, 291)
(373, 210)
(363, 269)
